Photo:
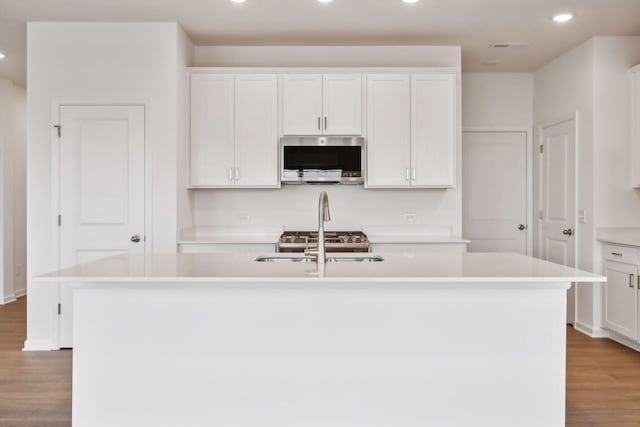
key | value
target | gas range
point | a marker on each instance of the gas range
(335, 241)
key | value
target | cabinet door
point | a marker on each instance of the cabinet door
(635, 126)
(342, 104)
(621, 299)
(256, 130)
(212, 101)
(388, 130)
(302, 104)
(434, 129)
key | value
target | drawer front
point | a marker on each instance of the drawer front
(624, 254)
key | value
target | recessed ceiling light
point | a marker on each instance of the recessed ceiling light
(563, 17)
(411, 1)
(238, 1)
(2, 55)
(325, 1)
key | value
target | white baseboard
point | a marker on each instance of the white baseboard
(624, 341)
(590, 330)
(20, 292)
(7, 299)
(37, 345)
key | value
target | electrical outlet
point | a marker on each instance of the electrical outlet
(244, 218)
(409, 217)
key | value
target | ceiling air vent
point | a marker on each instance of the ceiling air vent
(503, 45)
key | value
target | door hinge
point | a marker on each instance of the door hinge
(58, 129)
(541, 149)
(541, 214)
(59, 220)
(59, 309)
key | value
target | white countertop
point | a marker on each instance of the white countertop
(623, 235)
(413, 234)
(398, 268)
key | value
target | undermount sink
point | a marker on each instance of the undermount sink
(336, 258)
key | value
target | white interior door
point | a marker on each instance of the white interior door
(342, 104)
(494, 191)
(102, 188)
(558, 223)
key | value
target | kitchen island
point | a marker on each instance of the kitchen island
(468, 339)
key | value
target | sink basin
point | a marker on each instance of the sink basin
(332, 258)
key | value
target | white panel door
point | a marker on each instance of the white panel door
(621, 299)
(434, 129)
(212, 127)
(494, 191)
(256, 130)
(302, 104)
(558, 224)
(388, 130)
(342, 104)
(102, 188)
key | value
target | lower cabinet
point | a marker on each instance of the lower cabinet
(621, 299)
(622, 291)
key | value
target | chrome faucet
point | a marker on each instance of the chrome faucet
(323, 215)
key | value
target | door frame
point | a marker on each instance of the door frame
(575, 116)
(56, 106)
(529, 172)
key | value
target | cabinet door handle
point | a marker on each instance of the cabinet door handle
(631, 281)
(237, 174)
(325, 122)
(413, 173)
(230, 174)
(319, 127)
(639, 281)
(616, 254)
(407, 174)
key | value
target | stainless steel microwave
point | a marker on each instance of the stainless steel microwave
(322, 160)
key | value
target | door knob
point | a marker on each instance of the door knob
(567, 232)
(522, 227)
(135, 238)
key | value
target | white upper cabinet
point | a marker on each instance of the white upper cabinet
(256, 130)
(212, 129)
(316, 104)
(433, 129)
(234, 130)
(302, 104)
(388, 129)
(412, 130)
(635, 123)
(342, 104)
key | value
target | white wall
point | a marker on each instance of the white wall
(185, 53)
(327, 56)
(593, 79)
(351, 206)
(497, 100)
(617, 204)
(12, 208)
(563, 87)
(97, 62)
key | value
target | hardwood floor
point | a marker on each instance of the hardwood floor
(35, 387)
(603, 380)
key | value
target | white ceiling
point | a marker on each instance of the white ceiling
(474, 24)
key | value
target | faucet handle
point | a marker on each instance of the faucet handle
(314, 252)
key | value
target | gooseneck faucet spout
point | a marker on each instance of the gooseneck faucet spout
(323, 215)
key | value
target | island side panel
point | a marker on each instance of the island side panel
(319, 355)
